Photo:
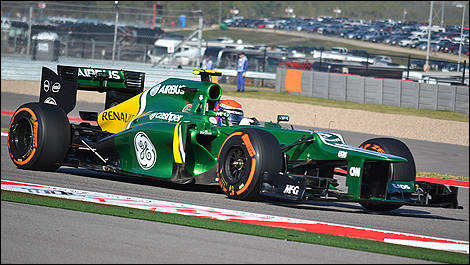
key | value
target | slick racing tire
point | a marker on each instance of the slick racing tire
(243, 158)
(39, 136)
(400, 171)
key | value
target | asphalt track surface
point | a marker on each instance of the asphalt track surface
(41, 234)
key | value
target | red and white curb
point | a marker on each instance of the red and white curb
(239, 216)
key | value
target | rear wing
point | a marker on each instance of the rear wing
(61, 89)
(206, 74)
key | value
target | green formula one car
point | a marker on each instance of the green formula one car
(173, 131)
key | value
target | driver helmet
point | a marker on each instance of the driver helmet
(233, 108)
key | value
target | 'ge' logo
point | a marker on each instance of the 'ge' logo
(145, 151)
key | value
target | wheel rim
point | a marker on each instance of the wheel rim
(235, 165)
(22, 136)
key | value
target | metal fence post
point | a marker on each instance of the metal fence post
(15, 43)
(408, 68)
(199, 36)
(367, 65)
(264, 65)
(66, 53)
(92, 48)
(429, 38)
(321, 53)
(145, 54)
(28, 47)
(463, 72)
(118, 51)
(116, 3)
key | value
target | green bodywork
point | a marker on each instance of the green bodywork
(190, 103)
(87, 77)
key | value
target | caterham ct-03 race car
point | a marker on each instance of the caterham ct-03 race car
(173, 131)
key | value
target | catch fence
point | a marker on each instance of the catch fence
(87, 29)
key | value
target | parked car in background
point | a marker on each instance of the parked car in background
(382, 59)
(224, 40)
(301, 49)
(374, 35)
(353, 34)
(408, 41)
(359, 53)
(369, 34)
(424, 46)
(444, 42)
(340, 50)
(379, 38)
(465, 49)
(419, 42)
(318, 48)
(449, 67)
(360, 35)
(393, 39)
(345, 30)
(450, 47)
(417, 64)
(437, 65)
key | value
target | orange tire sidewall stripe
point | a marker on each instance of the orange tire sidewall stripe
(374, 147)
(230, 136)
(251, 151)
(218, 158)
(365, 146)
(248, 145)
(35, 135)
(250, 178)
(377, 148)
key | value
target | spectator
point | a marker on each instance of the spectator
(241, 69)
(434, 49)
(207, 64)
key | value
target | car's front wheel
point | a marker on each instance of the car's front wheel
(400, 171)
(243, 158)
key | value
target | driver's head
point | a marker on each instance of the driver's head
(233, 108)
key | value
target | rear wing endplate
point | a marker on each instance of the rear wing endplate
(61, 89)
(206, 74)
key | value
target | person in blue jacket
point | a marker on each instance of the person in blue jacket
(207, 64)
(242, 67)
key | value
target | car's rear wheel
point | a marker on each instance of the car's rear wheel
(400, 171)
(39, 136)
(243, 158)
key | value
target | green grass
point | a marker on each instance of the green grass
(285, 96)
(440, 176)
(248, 229)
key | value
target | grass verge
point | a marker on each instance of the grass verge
(248, 229)
(425, 174)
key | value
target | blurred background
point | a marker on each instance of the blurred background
(371, 38)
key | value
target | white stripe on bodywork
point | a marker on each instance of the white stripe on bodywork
(347, 147)
(180, 140)
(143, 104)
